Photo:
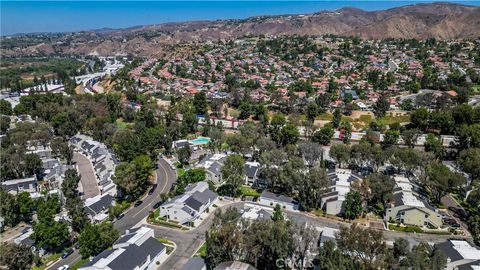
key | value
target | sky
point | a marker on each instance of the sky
(66, 16)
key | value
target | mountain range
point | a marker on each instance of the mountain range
(420, 21)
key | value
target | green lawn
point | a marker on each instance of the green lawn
(248, 191)
(77, 265)
(407, 228)
(122, 124)
(164, 241)
(202, 251)
(390, 119)
(46, 260)
(325, 117)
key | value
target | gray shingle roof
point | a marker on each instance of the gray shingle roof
(194, 263)
(134, 255)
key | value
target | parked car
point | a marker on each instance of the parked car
(150, 192)
(67, 253)
(120, 216)
(64, 267)
(138, 203)
(157, 204)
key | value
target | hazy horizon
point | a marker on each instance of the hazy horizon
(19, 17)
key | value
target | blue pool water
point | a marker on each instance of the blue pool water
(201, 140)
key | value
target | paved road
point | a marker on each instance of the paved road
(165, 179)
(88, 179)
(188, 242)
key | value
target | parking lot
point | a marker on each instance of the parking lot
(88, 181)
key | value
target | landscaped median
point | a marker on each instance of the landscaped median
(171, 246)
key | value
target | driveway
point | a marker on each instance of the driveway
(88, 179)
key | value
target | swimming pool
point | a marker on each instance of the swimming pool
(201, 140)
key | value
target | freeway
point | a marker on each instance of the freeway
(165, 179)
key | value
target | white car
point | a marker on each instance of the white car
(64, 267)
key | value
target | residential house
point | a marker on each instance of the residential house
(137, 249)
(256, 212)
(15, 186)
(272, 199)
(195, 263)
(213, 164)
(461, 255)
(340, 182)
(251, 171)
(409, 208)
(187, 208)
(97, 207)
(103, 160)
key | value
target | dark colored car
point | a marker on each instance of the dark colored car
(120, 216)
(67, 253)
(138, 203)
(156, 205)
(152, 189)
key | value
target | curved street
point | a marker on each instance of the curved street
(165, 179)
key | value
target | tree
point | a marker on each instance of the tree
(133, 177)
(312, 111)
(245, 110)
(410, 137)
(5, 107)
(200, 103)
(420, 118)
(304, 240)
(474, 227)
(366, 246)
(468, 137)
(188, 177)
(324, 135)
(352, 206)
(276, 124)
(381, 106)
(441, 180)
(50, 234)
(233, 173)
(329, 257)
(346, 129)
(289, 134)
(340, 153)
(184, 154)
(9, 208)
(337, 117)
(434, 145)
(16, 257)
(277, 213)
(311, 152)
(33, 164)
(381, 186)
(95, 238)
(469, 161)
(25, 206)
(390, 138)
(311, 187)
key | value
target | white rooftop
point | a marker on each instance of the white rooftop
(410, 200)
(467, 251)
